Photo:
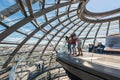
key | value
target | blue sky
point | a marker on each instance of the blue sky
(6, 3)
(102, 5)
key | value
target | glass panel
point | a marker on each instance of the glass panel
(62, 10)
(48, 27)
(103, 30)
(84, 33)
(63, 18)
(39, 34)
(2, 29)
(72, 13)
(36, 7)
(15, 37)
(53, 31)
(66, 22)
(54, 22)
(24, 50)
(32, 41)
(11, 20)
(27, 29)
(93, 31)
(74, 6)
(6, 4)
(76, 21)
(49, 3)
(51, 15)
(59, 27)
(74, 18)
(114, 28)
(63, 1)
(41, 20)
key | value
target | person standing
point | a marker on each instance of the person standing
(73, 42)
(39, 67)
(91, 46)
(79, 43)
(68, 44)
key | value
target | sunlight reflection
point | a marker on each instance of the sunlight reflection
(87, 64)
(89, 58)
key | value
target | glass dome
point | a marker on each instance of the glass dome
(36, 29)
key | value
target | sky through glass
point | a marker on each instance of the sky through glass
(102, 5)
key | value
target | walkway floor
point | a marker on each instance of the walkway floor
(111, 60)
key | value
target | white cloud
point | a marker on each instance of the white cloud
(11, 1)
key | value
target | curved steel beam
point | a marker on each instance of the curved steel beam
(84, 14)
(13, 9)
(103, 14)
(55, 35)
(21, 23)
(88, 34)
(51, 29)
(29, 18)
(64, 34)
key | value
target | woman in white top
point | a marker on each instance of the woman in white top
(79, 43)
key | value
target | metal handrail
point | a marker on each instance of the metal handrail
(12, 71)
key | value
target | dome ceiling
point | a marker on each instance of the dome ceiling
(33, 28)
